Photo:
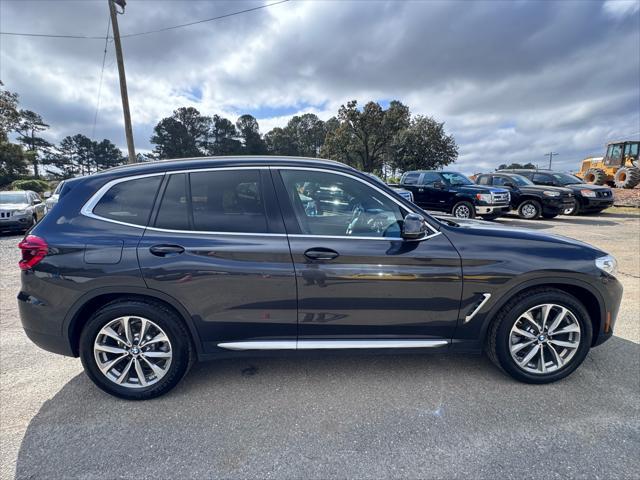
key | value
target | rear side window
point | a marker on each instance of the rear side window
(129, 201)
(411, 178)
(173, 213)
(228, 201)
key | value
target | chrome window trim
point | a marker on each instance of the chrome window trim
(330, 344)
(433, 233)
(87, 208)
(201, 232)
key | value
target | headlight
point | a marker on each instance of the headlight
(607, 264)
(588, 193)
(550, 193)
(484, 197)
(21, 212)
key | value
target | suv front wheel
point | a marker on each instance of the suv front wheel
(540, 336)
(135, 349)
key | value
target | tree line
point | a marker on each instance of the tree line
(74, 155)
(371, 138)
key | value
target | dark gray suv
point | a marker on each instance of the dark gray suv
(140, 270)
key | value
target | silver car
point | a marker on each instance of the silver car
(53, 199)
(404, 193)
(20, 210)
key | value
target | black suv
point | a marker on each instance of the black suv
(454, 193)
(588, 198)
(529, 200)
(140, 270)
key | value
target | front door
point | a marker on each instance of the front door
(357, 279)
(216, 243)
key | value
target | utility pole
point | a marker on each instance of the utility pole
(123, 80)
(550, 155)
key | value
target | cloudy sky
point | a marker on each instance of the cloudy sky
(512, 80)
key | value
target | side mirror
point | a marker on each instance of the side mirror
(438, 185)
(510, 185)
(46, 194)
(414, 227)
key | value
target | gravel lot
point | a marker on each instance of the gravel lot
(334, 416)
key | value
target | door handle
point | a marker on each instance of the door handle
(321, 253)
(166, 250)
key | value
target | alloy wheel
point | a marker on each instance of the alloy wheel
(529, 210)
(462, 211)
(132, 352)
(544, 338)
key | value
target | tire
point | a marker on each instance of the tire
(549, 216)
(574, 210)
(595, 176)
(502, 334)
(463, 210)
(171, 358)
(627, 177)
(530, 210)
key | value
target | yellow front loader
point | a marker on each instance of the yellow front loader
(618, 168)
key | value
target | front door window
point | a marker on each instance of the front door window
(328, 204)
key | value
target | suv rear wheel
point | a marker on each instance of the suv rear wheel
(540, 336)
(135, 349)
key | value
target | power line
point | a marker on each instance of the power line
(205, 20)
(104, 57)
(46, 35)
(138, 34)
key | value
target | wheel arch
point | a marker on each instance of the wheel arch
(91, 301)
(582, 291)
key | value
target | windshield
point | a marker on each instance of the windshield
(520, 180)
(566, 179)
(13, 197)
(456, 179)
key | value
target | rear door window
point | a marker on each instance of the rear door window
(173, 213)
(228, 201)
(411, 179)
(129, 201)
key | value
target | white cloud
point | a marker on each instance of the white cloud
(511, 83)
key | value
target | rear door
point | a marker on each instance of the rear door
(217, 244)
(357, 279)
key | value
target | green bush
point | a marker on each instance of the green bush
(35, 185)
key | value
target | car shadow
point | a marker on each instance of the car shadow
(344, 416)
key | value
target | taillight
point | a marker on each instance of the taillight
(33, 250)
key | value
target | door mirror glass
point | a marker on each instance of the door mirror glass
(414, 227)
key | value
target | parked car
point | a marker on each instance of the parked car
(141, 269)
(529, 200)
(454, 193)
(51, 201)
(20, 210)
(588, 198)
(403, 192)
